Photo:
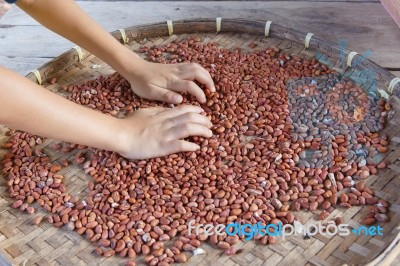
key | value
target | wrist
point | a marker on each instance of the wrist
(128, 63)
(123, 137)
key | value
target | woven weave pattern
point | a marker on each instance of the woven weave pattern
(22, 241)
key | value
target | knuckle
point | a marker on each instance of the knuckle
(188, 84)
(194, 65)
(191, 116)
(181, 145)
(198, 71)
(170, 122)
(193, 88)
(203, 130)
(186, 128)
(195, 68)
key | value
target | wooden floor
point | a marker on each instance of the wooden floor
(25, 45)
(365, 24)
(4, 7)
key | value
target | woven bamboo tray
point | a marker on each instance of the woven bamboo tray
(26, 244)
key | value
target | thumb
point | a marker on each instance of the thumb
(176, 146)
(171, 97)
(166, 95)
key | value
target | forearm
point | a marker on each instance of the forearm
(69, 20)
(29, 107)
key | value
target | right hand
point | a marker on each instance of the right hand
(158, 131)
(166, 82)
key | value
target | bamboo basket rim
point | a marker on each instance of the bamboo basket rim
(242, 26)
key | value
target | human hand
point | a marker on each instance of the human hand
(158, 131)
(166, 82)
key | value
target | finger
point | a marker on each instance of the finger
(165, 95)
(173, 112)
(151, 111)
(186, 130)
(176, 146)
(172, 97)
(193, 118)
(189, 87)
(194, 71)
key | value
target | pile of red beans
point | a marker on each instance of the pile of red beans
(289, 136)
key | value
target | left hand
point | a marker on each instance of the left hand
(166, 82)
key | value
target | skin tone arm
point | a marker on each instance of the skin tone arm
(146, 133)
(148, 80)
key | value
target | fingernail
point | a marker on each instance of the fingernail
(178, 98)
(197, 147)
